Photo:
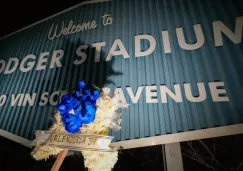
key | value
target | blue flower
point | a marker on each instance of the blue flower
(72, 123)
(68, 102)
(88, 114)
(78, 108)
(85, 94)
(81, 86)
(95, 95)
(78, 93)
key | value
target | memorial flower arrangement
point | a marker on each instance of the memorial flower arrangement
(86, 111)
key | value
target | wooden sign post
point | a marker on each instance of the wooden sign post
(61, 156)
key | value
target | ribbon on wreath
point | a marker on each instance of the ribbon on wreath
(76, 142)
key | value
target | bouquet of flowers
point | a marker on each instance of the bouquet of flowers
(86, 111)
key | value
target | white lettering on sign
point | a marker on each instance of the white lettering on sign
(199, 37)
(52, 98)
(219, 27)
(107, 19)
(166, 41)
(3, 99)
(27, 66)
(201, 89)
(118, 48)
(137, 95)
(44, 99)
(81, 54)
(42, 61)
(29, 62)
(177, 96)
(98, 47)
(153, 94)
(218, 92)
(2, 65)
(57, 31)
(23, 99)
(28, 99)
(56, 58)
(113, 52)
(138, 51)
(12, 65)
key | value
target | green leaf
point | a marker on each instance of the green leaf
(99, 89)
(112, 147)
(121, 148)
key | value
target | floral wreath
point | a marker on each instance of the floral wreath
(86, 111)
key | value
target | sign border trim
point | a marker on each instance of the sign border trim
(156, 140)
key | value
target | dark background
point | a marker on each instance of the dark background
(16, 14)
(227, 151)
(16, 157)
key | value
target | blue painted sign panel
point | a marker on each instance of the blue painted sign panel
(177, 63)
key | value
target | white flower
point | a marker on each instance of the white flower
(115, 121)
(44, 152)
(106, 90)
(100, 103)
(72, 112)
(100, 161)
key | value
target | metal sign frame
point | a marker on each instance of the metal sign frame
(162, 139)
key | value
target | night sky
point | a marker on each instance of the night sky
(16, 14)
